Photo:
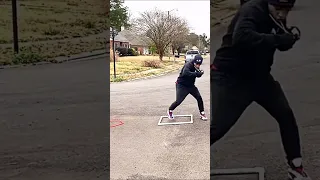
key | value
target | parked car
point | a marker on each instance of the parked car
(190, 55)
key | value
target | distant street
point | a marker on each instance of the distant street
(140, 149)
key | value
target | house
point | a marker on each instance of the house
(138, 42)
(195, 48)
(119, 41)
(128, 39)
(140, 45)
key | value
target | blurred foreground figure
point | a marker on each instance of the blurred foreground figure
(240, 74)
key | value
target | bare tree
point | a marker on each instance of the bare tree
(161, 28)
(178, 45)
(193, 39)
(180, 41)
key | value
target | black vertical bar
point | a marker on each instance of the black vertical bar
(114, 55)
(15, 26)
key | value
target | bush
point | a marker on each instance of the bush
(152, 64)
(117, 79)
(131, 52)
(27, 58)
(122, 51)
(5, 62)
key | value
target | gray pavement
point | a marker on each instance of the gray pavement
(140, 149)
(53, 121)
(255, 139)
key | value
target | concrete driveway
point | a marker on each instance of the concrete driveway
(255, 140)
(140, 149)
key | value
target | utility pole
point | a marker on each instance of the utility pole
(199, 42)
(170, 48)
(15, 27)
(114, 34)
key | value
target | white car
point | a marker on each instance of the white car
(190, 55)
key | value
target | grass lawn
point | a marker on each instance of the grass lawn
(45, 51)
(142, 66)
(42, 21)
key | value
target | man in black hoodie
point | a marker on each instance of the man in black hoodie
(240, 74)
(185, 85)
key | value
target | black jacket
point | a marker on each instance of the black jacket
(188, 75)
(248, 47)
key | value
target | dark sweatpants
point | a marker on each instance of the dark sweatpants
(229, 100)
(182, 92)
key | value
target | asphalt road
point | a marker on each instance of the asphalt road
(255, 140)
(54, 122)
(140, 149)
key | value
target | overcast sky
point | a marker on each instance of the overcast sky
(197, 13)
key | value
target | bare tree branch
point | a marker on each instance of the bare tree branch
(162, 29)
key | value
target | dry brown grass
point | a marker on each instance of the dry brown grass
(52, 20)
(53, 28)
(143, 66)
(49, 50)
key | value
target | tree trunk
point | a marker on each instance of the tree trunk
(161, 55)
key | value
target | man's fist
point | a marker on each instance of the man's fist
(285, 41)
(199, 73)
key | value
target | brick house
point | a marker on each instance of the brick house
(139, 43)
(119, 41)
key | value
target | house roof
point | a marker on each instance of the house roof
(135, 40)
(121, 38)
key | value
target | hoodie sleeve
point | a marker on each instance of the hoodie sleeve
(187, 71)
(245, 32)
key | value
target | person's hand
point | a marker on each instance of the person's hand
(199, 73)
(285, 41)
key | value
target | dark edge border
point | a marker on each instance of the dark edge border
(107, 6)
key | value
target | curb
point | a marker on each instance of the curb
(58, 60)
(80, 56)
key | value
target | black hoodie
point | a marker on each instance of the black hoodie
(249, 45)
(188, 75)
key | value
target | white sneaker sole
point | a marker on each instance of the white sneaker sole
(296, 176)
(169, 117)
(203, 118)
